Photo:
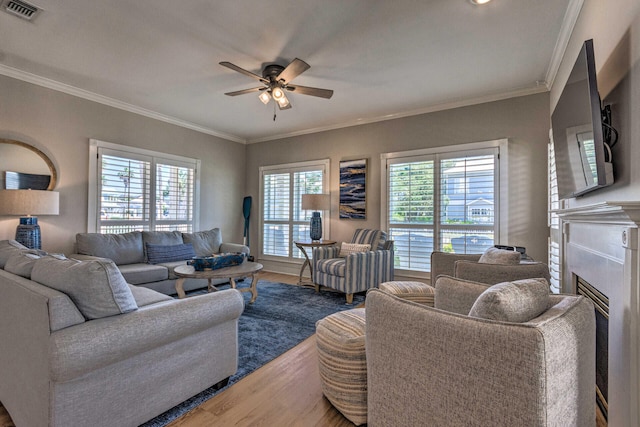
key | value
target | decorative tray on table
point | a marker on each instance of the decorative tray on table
(214, 262)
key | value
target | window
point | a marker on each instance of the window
(442, 199)
(555, 233)
(141, 190)
(283, 221)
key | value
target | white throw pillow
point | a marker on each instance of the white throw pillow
(500, 256)
(518, 301)
(350, 248)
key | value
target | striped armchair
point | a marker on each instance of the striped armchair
(358, 271)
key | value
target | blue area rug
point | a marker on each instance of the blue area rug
(282, 317)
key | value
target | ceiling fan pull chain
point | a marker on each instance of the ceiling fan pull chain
(274, 111)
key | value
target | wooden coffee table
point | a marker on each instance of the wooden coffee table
(245, 269)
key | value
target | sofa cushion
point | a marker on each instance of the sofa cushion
(145, 296)
(141, 273)
(96, 287)
(125, 248)
(8, 248)
(171, 266)
(349, 248)
(157, 254)
(457, 295)
(518, 301)
(21, 263)
(204, 242)
(500, 256)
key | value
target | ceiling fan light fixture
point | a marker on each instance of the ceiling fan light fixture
(283, 102)
(277, 94)
(264, 97)
(479, 2)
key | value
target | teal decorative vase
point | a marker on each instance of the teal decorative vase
(315, 231)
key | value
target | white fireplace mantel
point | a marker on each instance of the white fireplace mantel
(600, 245)
(606, 212)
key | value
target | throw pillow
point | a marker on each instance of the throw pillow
(205, 243)
(160, 238)
(157, 254)
(518, 301)
(8, 248)
(350, 248)
(96, 287)
(500, 256)
(22, 263)
(456, 295)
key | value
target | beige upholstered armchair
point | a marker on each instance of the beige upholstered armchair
(431, 367)
(466, 266)
(357, 271)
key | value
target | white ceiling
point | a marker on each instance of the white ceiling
(383, 59)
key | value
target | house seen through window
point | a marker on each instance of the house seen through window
(441, 201)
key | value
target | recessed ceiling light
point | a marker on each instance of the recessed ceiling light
(479, 1)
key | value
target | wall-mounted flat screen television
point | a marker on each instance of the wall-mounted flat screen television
(583, 159)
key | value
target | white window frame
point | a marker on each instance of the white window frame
(323, 164)
(93, 218)
(501, 233)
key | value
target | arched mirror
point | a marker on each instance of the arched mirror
(23, 166)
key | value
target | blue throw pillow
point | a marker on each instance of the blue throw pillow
(157, 254)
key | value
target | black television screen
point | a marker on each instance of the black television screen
(583, 160)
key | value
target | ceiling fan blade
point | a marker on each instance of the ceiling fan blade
(243, 91)
(243, 71)
(294, 69)
(313, 91)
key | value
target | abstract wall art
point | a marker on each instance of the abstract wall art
(353, 179)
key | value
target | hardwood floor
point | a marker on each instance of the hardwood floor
(286, 391)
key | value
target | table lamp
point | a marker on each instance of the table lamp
(316, 202)
(27, 203)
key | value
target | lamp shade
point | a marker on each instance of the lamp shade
(316, 202)
(29, 202)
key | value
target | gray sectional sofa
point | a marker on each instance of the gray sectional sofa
(169, 249)
(81, 347)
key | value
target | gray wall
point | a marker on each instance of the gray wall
(524, 120)
(614, 27)
(61, 126)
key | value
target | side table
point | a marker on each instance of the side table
(302, 244)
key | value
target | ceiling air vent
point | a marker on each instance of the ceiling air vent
(20, 9)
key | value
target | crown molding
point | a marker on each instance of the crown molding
(568, 24)
(91, 96)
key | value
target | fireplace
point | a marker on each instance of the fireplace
(601, 246)
(601, 307)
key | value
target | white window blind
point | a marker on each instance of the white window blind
(555, 234)
(140, 190)
(283, 219)
(446, 201)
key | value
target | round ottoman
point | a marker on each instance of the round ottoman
(343, 363)
(413, 291)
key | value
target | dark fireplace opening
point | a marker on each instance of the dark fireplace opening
(601, 304)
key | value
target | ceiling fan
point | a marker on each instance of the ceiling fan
(276, 80)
